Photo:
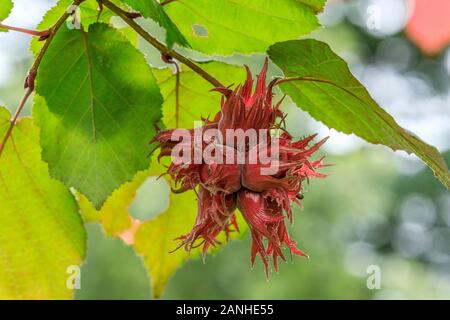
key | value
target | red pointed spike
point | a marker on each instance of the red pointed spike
(248, 85)
(261, 82)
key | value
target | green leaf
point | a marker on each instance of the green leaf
(102, 103)
(41, 232)
(153, 10)
(195, 99)
(155, 240)
(5, 9)
(88, 14)
(231, 26)
(331, 94)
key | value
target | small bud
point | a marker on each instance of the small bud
(167, 58)
(30, 80)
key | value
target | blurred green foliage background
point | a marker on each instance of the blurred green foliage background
(376, 207)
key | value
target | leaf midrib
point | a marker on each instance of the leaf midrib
(92, 99)
(405, 137)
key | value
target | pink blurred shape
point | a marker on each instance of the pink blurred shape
(128, 235)
(429, 25)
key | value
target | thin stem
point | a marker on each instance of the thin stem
(14, 119)
(30, 79)
(100, 9)
(177, 94)
(167, 2)
(159, 46)
(30, 32)
(168, 59)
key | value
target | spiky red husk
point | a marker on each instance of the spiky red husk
(263, 200)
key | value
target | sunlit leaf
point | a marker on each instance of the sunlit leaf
(230, 26)
(5, 10)
(155, 240)
(102, 101)
(114, 216)
(41, 232)
(195, 99)
(131, 35)
(331, 94)
(153, 10)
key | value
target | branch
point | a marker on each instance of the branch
(31, 77)
(159, 46)
(14, 119)
(41, 34)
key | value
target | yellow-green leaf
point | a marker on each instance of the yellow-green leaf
(114, 216)
(195, 99)
(231, 26)
(155, 240)
(5, 9)
(41, 231)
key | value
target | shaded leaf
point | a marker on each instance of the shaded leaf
(230, 26)
(102, 101)
(195, 99)
(153, 10)
(41, 232)
(131, 35)
(331, 94)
